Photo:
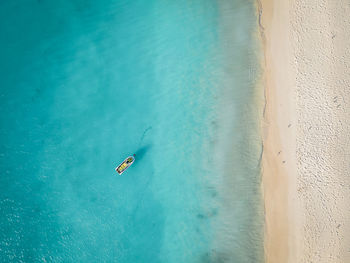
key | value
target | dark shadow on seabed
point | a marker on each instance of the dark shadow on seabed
(141, 152)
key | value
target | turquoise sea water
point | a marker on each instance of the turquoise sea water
(83, 85)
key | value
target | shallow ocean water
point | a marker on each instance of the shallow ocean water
(84, 84)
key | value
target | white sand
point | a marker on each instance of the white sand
(306, 166)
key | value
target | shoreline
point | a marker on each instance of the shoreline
(238, 229)
(278, 133)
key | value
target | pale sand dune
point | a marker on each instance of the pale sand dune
(307, 78)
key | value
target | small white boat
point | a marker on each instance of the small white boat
(125, 165)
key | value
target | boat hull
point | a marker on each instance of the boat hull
(125, 165)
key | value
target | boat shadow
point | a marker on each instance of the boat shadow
(141, 152)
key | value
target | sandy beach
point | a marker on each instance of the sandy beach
(306, 129)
